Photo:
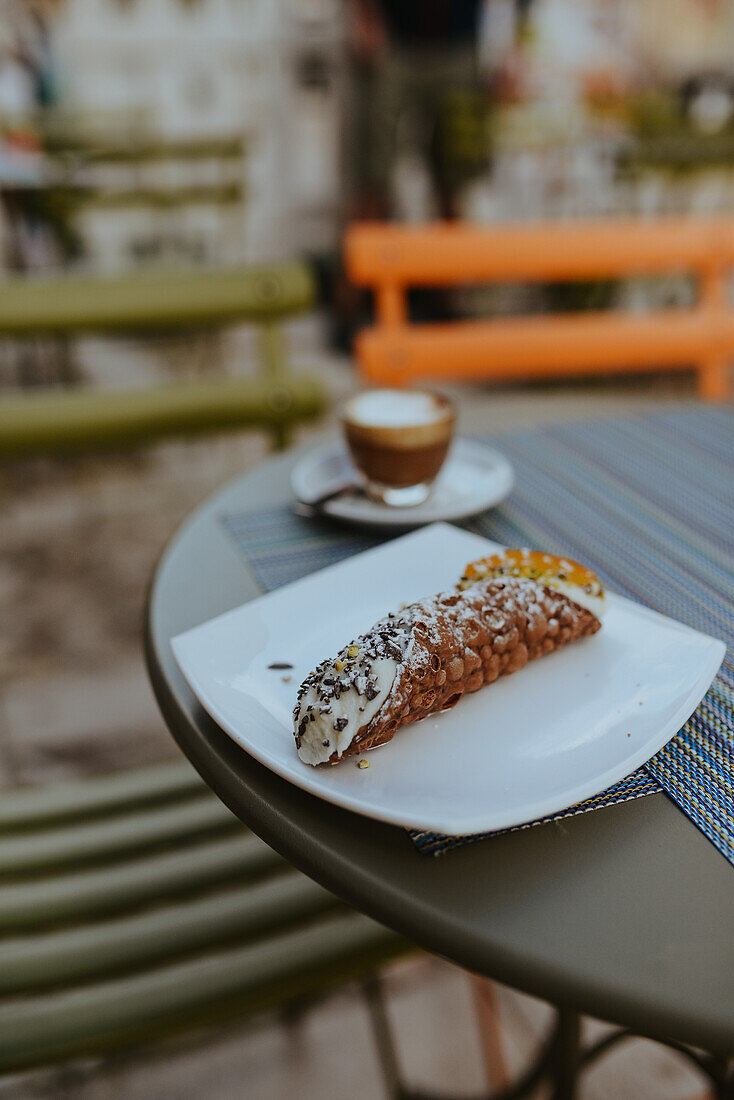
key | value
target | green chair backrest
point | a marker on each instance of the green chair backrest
(135, 906)
(153, 300)
(76, 419)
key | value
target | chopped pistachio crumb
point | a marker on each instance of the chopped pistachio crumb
(353, 651)
(363, 763)
(339, 665)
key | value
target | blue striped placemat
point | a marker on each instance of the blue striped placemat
(648, 503)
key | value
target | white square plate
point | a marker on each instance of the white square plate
(562, 729)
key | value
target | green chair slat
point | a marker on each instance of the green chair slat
(78, 199)
(78, 420)
(76, 954)
(108, 1015)
(23, 809)
(144, 148)
(123, 886)
(144, 301)
(115, 837)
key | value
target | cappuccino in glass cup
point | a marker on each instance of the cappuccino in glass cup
(398, 440)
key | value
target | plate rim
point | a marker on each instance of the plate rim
(400, 519)
(539, 809)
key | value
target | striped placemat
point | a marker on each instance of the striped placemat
(648, 503)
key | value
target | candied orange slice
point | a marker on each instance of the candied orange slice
(545, 568)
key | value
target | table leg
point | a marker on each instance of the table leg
(565, 1055)
(386, 1051)
(487, 1012)
(558, 1063)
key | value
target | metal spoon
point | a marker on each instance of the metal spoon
(315, 507)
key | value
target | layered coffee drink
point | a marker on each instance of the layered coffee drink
(398, 440)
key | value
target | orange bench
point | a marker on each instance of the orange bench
(391, 258)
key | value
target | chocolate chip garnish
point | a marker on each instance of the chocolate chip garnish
(280, 665)
(326, 743)
(371, 691)
(340, 724)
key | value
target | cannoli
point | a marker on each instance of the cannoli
(506, 610)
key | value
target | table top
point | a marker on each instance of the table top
(626, 913)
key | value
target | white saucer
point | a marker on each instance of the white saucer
(473, 478)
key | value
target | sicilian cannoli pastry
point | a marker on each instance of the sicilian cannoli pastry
(507, 609)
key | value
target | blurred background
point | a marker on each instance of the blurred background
(140, 136)
(140, 132)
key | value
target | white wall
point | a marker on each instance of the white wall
(222, 67)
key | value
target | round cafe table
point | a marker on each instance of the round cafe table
(626, 914)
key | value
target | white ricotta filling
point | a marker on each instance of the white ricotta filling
(576, 592)
(321, 737)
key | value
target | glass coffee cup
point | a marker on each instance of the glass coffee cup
(398, 440)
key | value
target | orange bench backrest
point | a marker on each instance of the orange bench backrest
(391, 258)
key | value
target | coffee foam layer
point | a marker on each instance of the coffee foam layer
(395, 409)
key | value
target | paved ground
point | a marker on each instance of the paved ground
(78, 541)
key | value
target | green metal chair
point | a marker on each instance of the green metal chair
(55, 421)
(136, 906)
(80, 160)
